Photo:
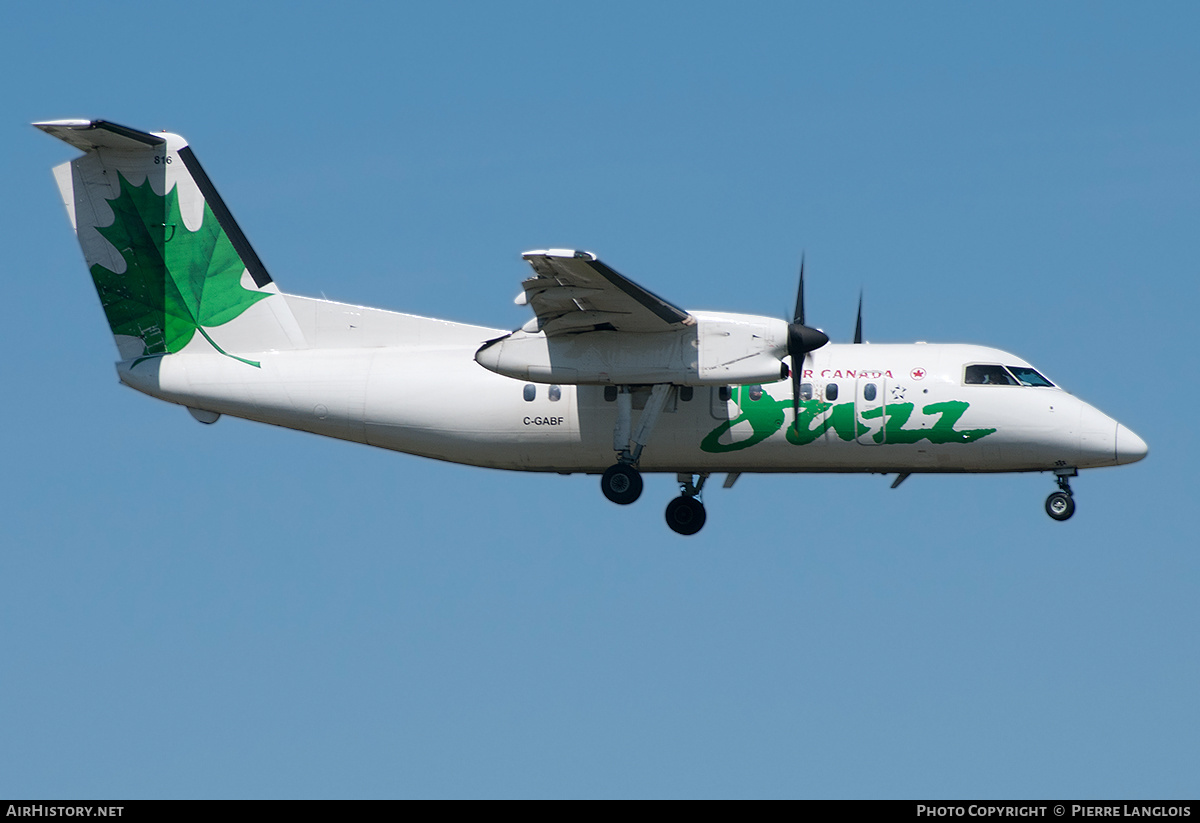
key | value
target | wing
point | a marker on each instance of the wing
(572, 291)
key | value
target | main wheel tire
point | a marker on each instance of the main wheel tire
(685, 515)
(621, 484)
(1060, 506)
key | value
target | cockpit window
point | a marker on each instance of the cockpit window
(1029, 377)
(988, 375)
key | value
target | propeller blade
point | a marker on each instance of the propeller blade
(858, 323)
(800, 341)
(797, 370)
(798, 316)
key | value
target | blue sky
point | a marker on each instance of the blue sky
(241, 611)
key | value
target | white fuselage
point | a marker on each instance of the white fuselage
(412, 384)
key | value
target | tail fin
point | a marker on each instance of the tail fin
(166, 256)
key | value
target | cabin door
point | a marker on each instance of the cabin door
(869, 410)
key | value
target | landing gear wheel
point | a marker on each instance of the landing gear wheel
(1060, 506)
(685, 515)
(621, 484)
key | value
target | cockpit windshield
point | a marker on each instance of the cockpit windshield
(993, 374)
(987, 374)
(1029, 377)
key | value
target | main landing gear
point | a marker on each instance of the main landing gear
(1061, 505)
(685, 514)
(622, 483)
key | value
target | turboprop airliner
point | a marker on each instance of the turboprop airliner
(606, 378)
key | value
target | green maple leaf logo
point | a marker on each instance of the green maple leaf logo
(176, 282)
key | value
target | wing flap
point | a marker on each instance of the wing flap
(572, 291)
(581, 321)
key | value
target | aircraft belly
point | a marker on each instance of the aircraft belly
(444, 405)
(319, 392)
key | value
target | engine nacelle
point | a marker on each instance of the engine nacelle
(719, 349)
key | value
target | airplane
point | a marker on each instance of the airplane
(607, 378)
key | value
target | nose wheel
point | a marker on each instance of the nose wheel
(1061, 504)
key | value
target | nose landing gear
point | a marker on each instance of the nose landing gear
(1061, 505)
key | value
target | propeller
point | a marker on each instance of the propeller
(801, 340)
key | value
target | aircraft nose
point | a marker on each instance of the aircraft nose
(1130, 447)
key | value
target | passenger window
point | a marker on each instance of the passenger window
(988, 375)
(806, 391)
(869, 392)
(756, 393)
(555, 393)
(1029, 377)
(723, 394)
(610, 393)
(831, 392)
(530, 391)
(685, 393)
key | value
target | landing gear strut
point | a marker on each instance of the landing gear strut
(685, 514)
(621, 482)
(1061, 505)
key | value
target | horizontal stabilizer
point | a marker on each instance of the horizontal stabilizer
(88, 135)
